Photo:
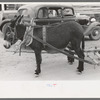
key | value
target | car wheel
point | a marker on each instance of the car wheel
(95, 34)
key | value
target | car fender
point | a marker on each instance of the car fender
(4, 22)
(90, 28)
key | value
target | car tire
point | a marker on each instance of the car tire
(95, 33)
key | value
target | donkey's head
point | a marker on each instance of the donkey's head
(10, 36)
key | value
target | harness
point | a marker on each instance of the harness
(28, 36)
(44, 35)
(29, 33)
(27, 39)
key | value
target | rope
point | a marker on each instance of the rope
(28, 30)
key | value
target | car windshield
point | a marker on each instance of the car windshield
(24, 12)
(52, 13)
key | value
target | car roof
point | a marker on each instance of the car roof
(35, 7)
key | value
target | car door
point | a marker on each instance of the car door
(48, 15)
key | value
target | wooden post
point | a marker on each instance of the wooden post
(93, 59)
(98, 55)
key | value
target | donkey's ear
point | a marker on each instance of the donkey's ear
(19, 20)
(15, 18)
(18, 17)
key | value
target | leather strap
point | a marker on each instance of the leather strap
(44, 34)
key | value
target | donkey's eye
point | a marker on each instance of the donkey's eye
(11, 39)
(8, 33)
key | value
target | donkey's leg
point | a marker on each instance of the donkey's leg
(79, 52)
(38, 61)
(70, 60)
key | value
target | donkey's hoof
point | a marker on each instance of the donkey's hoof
(79, 72)
(70, 63)
(37, 72)
(36, 75)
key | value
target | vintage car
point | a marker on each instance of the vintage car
(46, 14)
(90, 25)
(8, 11)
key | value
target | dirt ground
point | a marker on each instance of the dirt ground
(54, 66)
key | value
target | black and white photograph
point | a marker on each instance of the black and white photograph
(49, 41)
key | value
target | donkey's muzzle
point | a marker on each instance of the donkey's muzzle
(7, 44)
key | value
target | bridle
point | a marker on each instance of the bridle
(13, 31)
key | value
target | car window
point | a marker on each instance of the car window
(42, 13)
(54, 13)
(11, 6)
(20, 11)
(49, 13)
(24, 12)
(67, 12)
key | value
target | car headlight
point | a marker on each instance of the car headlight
(93, 20)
